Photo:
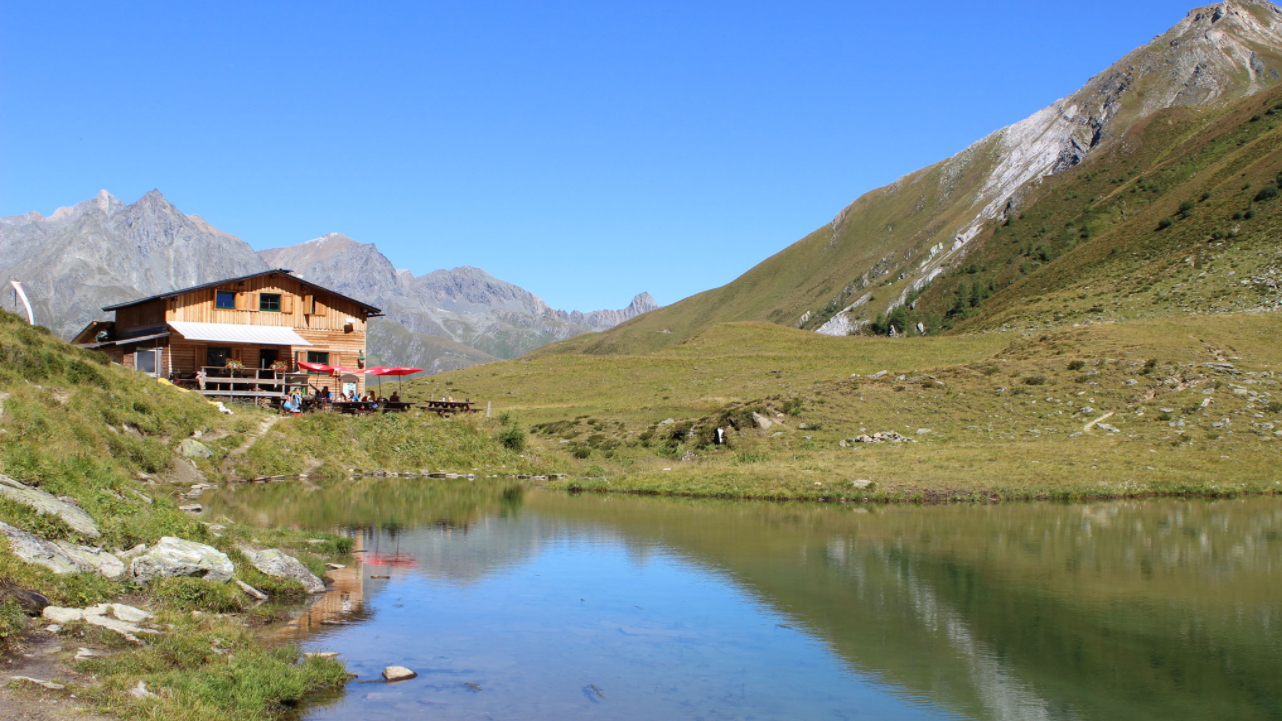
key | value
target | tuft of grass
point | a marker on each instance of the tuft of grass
(196, 594)
(212, 669)
(13, 622)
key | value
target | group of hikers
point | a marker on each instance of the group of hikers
(322, 398)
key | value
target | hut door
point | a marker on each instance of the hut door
(267, 356)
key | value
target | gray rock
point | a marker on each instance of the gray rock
(878, 375)
(46, 684)
(72, 515)
(280, 565)
(61, 557)
(103, 563)
(924, 431)
(251, 591)
(194, 508)
(138, 550)
(116, 617)
(762, 422)
(178, 557)
(398, 673)
(862, 484)
(140, 692)
(192, 448)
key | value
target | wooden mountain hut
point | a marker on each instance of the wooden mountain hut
(247, 334)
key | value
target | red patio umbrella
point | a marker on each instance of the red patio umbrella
(399, 371)
(315, 367)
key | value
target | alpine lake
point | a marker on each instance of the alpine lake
(512, 602)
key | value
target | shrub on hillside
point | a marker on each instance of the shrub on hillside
(1076, 365)
(513, 438)
(1268, 192)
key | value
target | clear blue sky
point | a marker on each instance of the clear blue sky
(586, 151)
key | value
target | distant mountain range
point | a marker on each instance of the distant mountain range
(913, 236)
(102, 251)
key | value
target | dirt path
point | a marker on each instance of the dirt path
(39, 655)
(264, 427)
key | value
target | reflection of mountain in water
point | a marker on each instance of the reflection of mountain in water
(1141, 611)
(1138, 611)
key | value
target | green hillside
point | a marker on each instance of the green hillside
(1181, 216)
(1171, 122)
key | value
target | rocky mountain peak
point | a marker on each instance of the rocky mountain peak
(643, 303)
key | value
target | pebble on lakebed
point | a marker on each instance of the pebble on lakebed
(398, 673)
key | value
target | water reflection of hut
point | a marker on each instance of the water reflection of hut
(344, 600)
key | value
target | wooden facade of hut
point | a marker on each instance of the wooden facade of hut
(248, 334)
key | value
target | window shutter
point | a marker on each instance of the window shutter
(242, 301)
(309, 305)
(286, 303)
(254, 302)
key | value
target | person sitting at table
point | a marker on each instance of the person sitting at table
(396, 397)
(201, 375)
(323, 396)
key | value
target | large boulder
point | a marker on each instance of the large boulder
(73, 515)
(61, 557)
(279, 565)
(192, 448)
(178, 557)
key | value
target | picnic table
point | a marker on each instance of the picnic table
(355, 407)
(447, 408)
(363, 407)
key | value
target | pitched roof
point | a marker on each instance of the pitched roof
(170, 294)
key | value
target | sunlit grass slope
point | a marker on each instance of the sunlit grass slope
(988, 415)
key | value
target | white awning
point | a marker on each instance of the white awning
(231, 333)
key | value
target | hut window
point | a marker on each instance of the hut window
(314, 356)
(269, 302)
(225, 300)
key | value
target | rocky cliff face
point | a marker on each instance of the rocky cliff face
(464, 305)
(102, 251)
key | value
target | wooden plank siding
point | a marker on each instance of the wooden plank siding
(332, 324)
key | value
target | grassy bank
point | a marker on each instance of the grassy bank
(107, 438)
(994, 416)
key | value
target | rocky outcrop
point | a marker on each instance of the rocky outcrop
(276, 564)
(74, 516)
(61, 556)
(177, 557)
(116, 617)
